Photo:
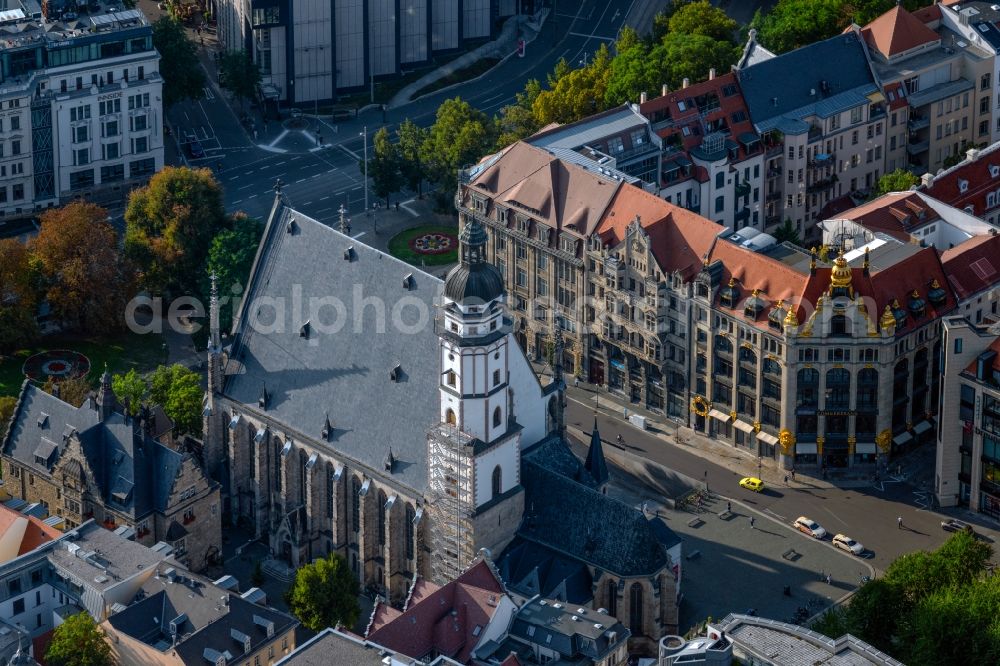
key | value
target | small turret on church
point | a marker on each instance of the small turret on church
(213, 417)
(107, 403)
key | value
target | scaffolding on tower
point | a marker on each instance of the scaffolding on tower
(452, 471)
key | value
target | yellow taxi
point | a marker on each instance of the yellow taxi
(752, 483)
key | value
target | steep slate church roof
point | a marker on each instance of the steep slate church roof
(347, 374)
(133, 470)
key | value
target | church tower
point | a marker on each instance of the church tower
(106, 400)
(213, 419)
(474, 452)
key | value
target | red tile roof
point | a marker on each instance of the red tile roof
(511, 660)
(680, 239)
(929, 14)
(896, 214)
(972, 266)
(36, 532)
(980, 181)
(897, 31)
(445, 621)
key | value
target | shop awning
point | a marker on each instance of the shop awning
(922, 427)
(864, 447)
(744, 426)
(767, 438)
(805, 447)
(902, 438)
(716, 414)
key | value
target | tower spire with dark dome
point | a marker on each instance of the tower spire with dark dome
(474, 280)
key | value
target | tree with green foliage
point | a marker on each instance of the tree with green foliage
(410, 139)
(239, 74)
(577, 93)
(179, 391)
(230, 258)
(183, 76)
(78, 641)
(384, 166)
(85, 280)
(130, 389)
(794, 23)
(661, 22)
(18, 296)
(786, 232)
(459, 137)
(632, 71)
(684, 56)
(325, 594)
(517, 121)
(7, 404)
(170, 225)
(899, 180)
(929, 607)
(701, 18)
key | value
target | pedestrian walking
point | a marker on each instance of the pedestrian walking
(829, 579)
(625, 412)
(786, 479)
(899, 523)
(576, 382)
(793, 474)
(752, 521)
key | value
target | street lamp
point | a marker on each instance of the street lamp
(365, 135)
(760, 463)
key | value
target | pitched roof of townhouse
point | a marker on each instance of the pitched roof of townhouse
(344, 374)
(895, 213)
(679, 238)
(449, 620)
(897, 31)
(970, 182)
(565, 196)
(897, 270)
(821, 79)
(716, 103)
(331, 646)
(928, 14)
(972, 266)
(136, 470)
(29, 531)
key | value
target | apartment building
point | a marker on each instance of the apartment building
(939, 87)
(80, 105)
(968, 442)
(600, 257)
(309, 50)
(712, 157)
(972, 185)
(821, 116)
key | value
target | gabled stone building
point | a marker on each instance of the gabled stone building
(94, 462)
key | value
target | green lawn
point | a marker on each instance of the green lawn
(121, 352)
(399, 246)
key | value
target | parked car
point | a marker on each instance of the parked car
(195, 149)
(810, 527)
(752, 483)
(845, 542)
(955, 525)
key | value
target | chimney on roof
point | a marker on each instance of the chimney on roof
(686, 82)
(664, 89)
(711, 73)
(642, 97)
(927, 180)
(972, 154)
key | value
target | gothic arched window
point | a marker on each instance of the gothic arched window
(381, 517)
(497, 417)
(612, 598)
(449, 417)
(356, 504)
(497, 481)
(635, 609)
(411, 516)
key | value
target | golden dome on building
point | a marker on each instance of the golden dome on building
(841, 275)
(888, 319)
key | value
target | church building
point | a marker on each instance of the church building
(365, 407)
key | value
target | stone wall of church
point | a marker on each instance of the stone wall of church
(494, 528)
(655, 601)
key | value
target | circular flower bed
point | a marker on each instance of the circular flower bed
(433, 243)
(58, 364)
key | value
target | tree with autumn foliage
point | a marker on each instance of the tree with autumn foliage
(170, 225)
(83, 276)
(18, 297)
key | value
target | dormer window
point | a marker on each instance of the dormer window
(543, 233)
(994, 171)
(502, 215)
(963, 185)
(568, 245)
(479, 204)
(522, 225)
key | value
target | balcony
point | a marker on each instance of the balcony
(918, 147)
(770, 220)
(773, 195)
(822, 160)
(822, 185)
(773, 150)
(918, 123)
(775, 171)
(742, 189)
(876, 112)
(815, 133)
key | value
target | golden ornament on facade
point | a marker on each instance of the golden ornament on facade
(732, 415)
(732, 282)
(888, 319)
(840, 277)
(935, 285)
(791, 319)
(700, 406)
(786, 440)
(756, 426)
(819, 445)
(884, 440)
(851, 441)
